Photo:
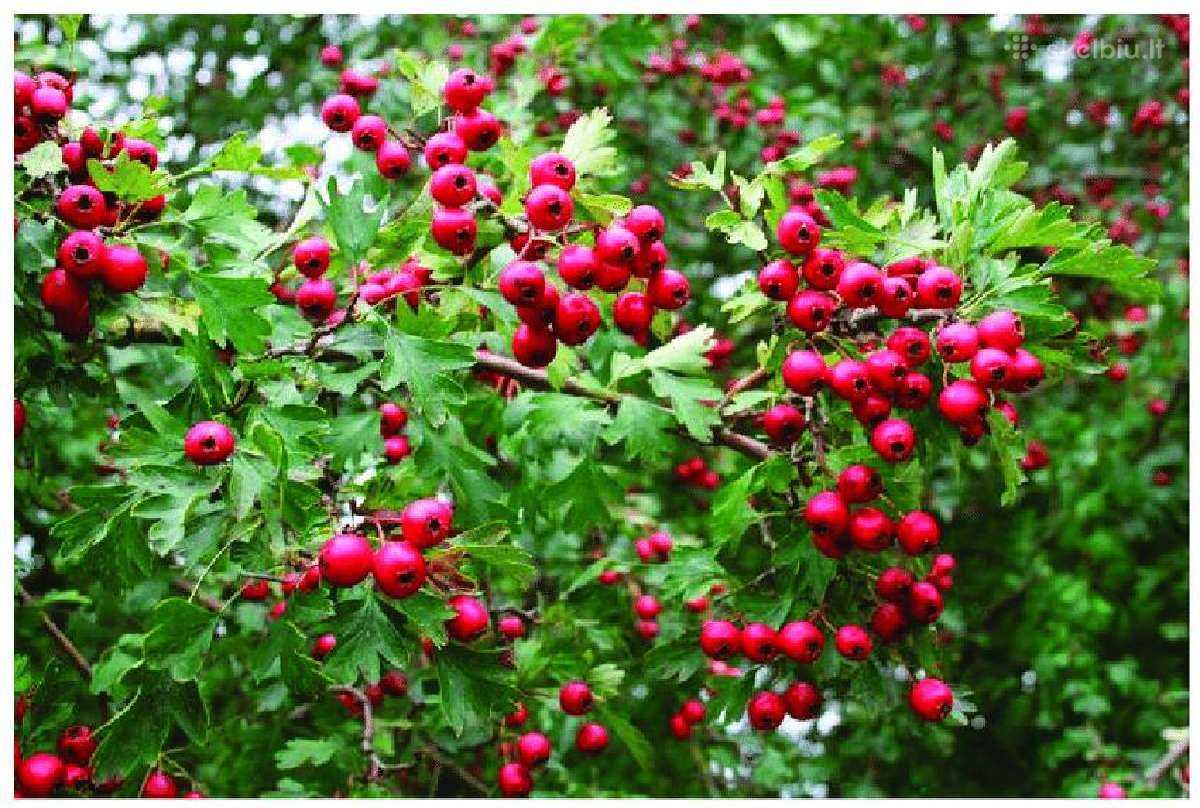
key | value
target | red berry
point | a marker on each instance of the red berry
(925, 602)
(122, 268)
(533, 748)
(76, 744)
(549, 208)
(392, 418)
(398, 569)
(849, 379)
(1119, 372)
(651, 258)
(895, 297)
(617, 245)
(394, 683)
(720, 639)
(938, 288)
(871, 530)
(693, 711)
(444, 148)
(454, 229)
(331, 56)
(471, 619)
(823, 269)
(888, 622)
(802, 700)
(860, 285)
(828, 519)
(811, 311)
(369, 133)
(647, 607)
(465, 90)
(931, 699)
(759, 643)
(872, 410)
(575, 698)
(894, 584)
(858, 484)
(82, 206)
(479, 129)
(853, 643)
(23, 87)
(316, 299)
(552, 168)
(957, 342)
(591, 738)
(886, 370)
(82, 254)
(647, 223)
(340, 112)
(208, 443)
(1025, 372)
(39, 774)
(521, 283)
(1001, 329)
(779, 280)
(62, 292)
(805, 372)
(425, 522)
(632, 312)
(784, 424)
(680, 727)
(798, 233)
(918, 532)
(990, 367)
(962, 402)
(48, 104)
(911, 343)
(393, 160)
(612, 278)
(669, 289)
(648, 629)
(576, 318)
(765, 711)
(533, 347)
(324, 646)
(345, 560)
(453, 185)
(512, 627)
(514, 780)
(577, 266)
(160, 785)
(258, 590)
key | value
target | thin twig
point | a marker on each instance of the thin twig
(374, 764)
(468, 778)
(64, 642)
(1177, 750)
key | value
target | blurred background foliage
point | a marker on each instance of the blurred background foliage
(1070, 614)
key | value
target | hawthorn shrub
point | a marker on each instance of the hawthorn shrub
(613, 417)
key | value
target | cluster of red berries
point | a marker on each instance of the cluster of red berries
(696, 472)
(392, 683)
(392, 420)
(629, 247)
(83, 255)
(690, 714)
(533, 748)
(370, 133)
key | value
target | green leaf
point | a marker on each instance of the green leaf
(179, 635)
(506, 560)
(426, 78)
(1007, 445)
(227, 218)
(473, 686)
(428, 614)
(230, 308)
(679, 660)
(69, 23)
(134, 736)
(299, 752)
(731, 511)
(605, 207)
(805, 157)
(640, 424)
(424, 366)
(353, 225)
(630, 736)
(171, 497)
(286, 647)
(692, 400)
(365, 635)
(683, 354)
(587, 144)
(43, 160)
(131, 180)
(701, 178)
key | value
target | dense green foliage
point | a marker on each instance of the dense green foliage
(1064, 635)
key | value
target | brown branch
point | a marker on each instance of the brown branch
(374, 764)
(464, 775)
(1177, 750)
(754, 379)
(64, 642)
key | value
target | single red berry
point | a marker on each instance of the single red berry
(549, 207)
(576, 318)
(122, 268)
(720, 639)
(369, 133)
(1001, 329)
(1025, 371)
(612, 278)
(518, 716)
(693, 711)
(931, 699)
(680, 727)
(533, 748)
(208, 443)
(331, 56)
(471, 619)
(853, 642)
(925, 602)
(48, 105)
(398, 569)
(444, 148)
(339, 112)
(257, 590)
(453, 185)
(521, 283)
(894, 584)
(823, 269)
(346, 559)
(888, 622)
(860, 285)
(784, 424)
(765, 711)
(990, 367)
(316, 299)
(633, 312)
(76, 744)
(797, 232)
(479, 129)
(872, 410)
(828, 519)
(608, 577)
(871, 530)
(552, 168)
(805, 372)
(82, 206)
(647, 223)
(938, 288)
(40, 774)
(651, 258)
(575, 698)
(811, 311)
(591, 738)
(425, 522)
(514, 780)
(465, 90)
(958, 342)
(1119, 372)
(895, 297)
(394, 683)
(911, 343)
(647, 607)
(669, 289)
(648, 629)
(779, 280)
(324, 646)
(533, 347)
(962, 402)
(160, 785)
(577, 266)
(918, 532)
(802, 700)
(393, 160)
(849, 379)
(63, 292)
(1111, 791)
(1157, 407)
(454, 229)
(759, 642)
(886, 370)
(859, 483)
(512, 627)
(696, 605)
(82, 254)
(392, 418)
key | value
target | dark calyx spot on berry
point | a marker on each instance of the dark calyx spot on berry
(561, 169)
(314, 262)
(404, 577)
(901, 294)
(21, 129)
(944, 710)
(898, 373)
(944, 292)
(813, 646)
(766, 649)
(434, 524)
(82, 254)
(868, 291)
(338, 117)
(827, 269)
(441, 157)
(463, 234)
(468, 79)
(208, 443)
(487, 138)
(860, 384)
(914, 349)
(460, 181)
(803, 234)
(897, 447)
(818, 315)
(998, 373)
(84, 203)
(555, 207)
